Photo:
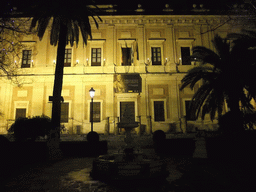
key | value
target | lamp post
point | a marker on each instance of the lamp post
(92, 92)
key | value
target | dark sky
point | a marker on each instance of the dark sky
(160, 3)
(132, 4)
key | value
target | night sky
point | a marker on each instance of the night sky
(133, 4)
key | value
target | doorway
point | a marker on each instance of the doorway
(127, 111)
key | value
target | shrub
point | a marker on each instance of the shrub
(93, 137)
(30, 128)
(159, 136)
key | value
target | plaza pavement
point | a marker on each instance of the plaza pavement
(73, 174)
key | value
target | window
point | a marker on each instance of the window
(64, 112)
(67, 59)
(159, 111)
(185, 56)
(96, 57)
(26, 58)
(96, 111)
(126, 56)
(156, 55)
(20, 113)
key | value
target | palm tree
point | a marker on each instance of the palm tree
(68, 20)
(226, 75)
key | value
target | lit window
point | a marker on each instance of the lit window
(64, 112)
(185, 56)
(67, 59)
(126, 56)
(159, 111)
(96, 57)
(26, 58)
(156, 55)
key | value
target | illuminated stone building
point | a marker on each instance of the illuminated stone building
(135, 61)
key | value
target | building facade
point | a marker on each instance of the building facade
(134, 62)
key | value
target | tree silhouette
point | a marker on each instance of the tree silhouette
(227, 76)
(66, 20)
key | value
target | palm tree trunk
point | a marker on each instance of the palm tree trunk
(233, 101)
(236, 121)
(54, 137)
(56, 104)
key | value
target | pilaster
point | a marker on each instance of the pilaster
(110, 44)
(140, 30)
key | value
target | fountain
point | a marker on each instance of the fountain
(128, 165)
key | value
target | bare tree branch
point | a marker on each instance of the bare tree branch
(12, 31)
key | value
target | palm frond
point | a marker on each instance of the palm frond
(235, 36)
(251, 91)
(205, 55)
(220, 103)
(205, 110)
(246, 101)
(244, 44)
(249, 118)
(95, 21)
(42, 25)
(76, 32)
(55, 30)
(243, 35)
(199, 98)
(92, 13)
(74, 16)
(250, 33)
(221, 46)
(34, 22)
(70, 32)
(213, 104)
(230, 73)
(195, 74)
(85, 29)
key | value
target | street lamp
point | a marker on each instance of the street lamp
(92, 92)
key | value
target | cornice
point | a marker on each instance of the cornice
(166, 19)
